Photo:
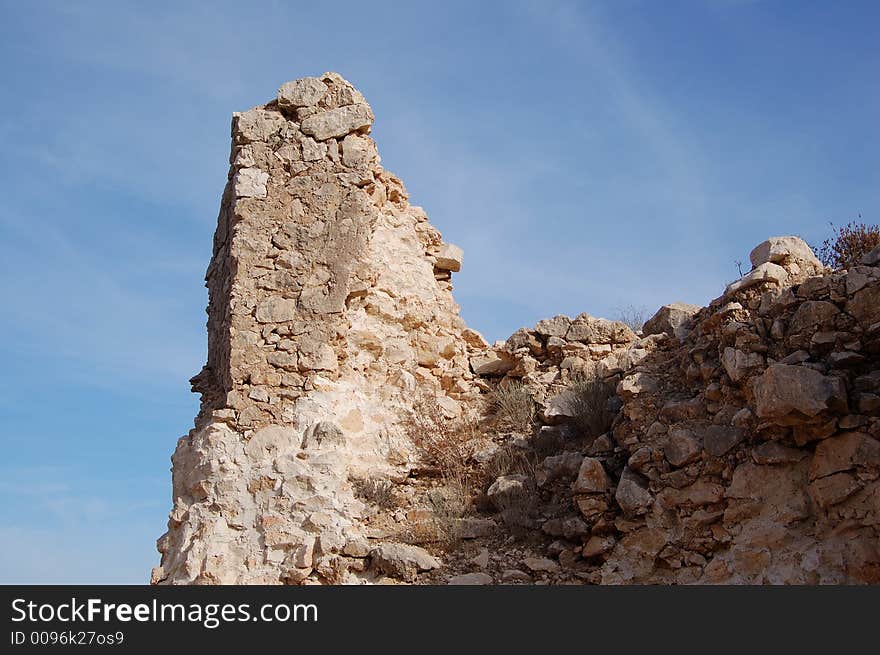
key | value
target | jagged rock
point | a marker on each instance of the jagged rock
(673, 319)
(301, 93)
(632, 493)
(766, 273)
(515, 575)
(794, 393)
(773, 452)
(739, 364)
(250, 183)
(865, 305)
(591, 477)
(813, 315)
(719, 439)
(589, 330)
(782, 250)
(848, 451)
(402, 560)
(637, 383)
(338, 122)
(597, 545)
(481, 560)
(683, 448)
(872, 258)
(474, 528)
(449, 258)
(553, 327)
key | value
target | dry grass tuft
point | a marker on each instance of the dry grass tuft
(589, 404)
(448, 445)
(376, 492)
(513, 407)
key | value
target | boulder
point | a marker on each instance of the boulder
(509, 491)
(682, 448)
(561, 408)
(632, 493)
(564, 465)
(402, 560)
(553, 327)
(773, 452)
(673, 319)
(865, 305)
(791, 394)
(782, 250)
(633, 385)
(588, 330)
(719, 439)
(591, 477)
(541, 564)
(738, 364)
(845, 452)
(813, 315)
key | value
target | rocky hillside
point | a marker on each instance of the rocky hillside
(354, 430)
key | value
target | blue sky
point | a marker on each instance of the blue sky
(586, 156)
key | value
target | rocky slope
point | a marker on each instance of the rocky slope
(736, 443)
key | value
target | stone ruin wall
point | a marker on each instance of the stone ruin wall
(745, 443)
(745, 449)
(330, 305)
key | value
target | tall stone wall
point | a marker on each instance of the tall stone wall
(330, 307)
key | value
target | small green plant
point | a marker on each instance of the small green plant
(513, 406)
(848, 244)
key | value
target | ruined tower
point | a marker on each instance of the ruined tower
(330, 306)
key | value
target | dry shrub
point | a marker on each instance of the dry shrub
(439, 441)
(508, 460)
(588, 400)
(513, 407)
(848, 244)
(448, 445)
(634, 317)
(375, 491)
